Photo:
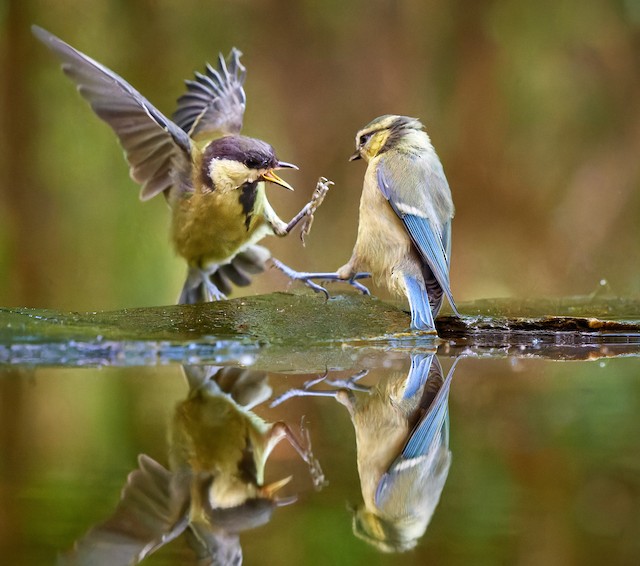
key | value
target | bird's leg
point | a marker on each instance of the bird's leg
(282, 430)
(307, 278)
(351, 383)
(340, 384)
(309, 209)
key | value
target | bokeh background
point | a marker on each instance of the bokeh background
(534, 109)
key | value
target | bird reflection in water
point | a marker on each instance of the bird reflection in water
(402, 435)
(214, 488)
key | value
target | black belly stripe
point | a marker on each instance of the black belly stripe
(248, 194)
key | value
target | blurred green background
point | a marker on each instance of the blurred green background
(534, 109)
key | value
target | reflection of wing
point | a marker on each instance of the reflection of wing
(433, 422)
(214, 102)
(152, 511)
(427, 445)
(214, 547)
(415, 189)
(418, 374)
(153, 144)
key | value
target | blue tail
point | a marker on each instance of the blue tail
(421, 317)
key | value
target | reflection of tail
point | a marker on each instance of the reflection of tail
(246, 387)
(421, 317)
(201, 285)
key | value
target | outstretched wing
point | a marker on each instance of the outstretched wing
(154, 146)
(418, 192)
(151, 513)
(214, 103)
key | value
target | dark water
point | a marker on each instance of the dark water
(500, 460)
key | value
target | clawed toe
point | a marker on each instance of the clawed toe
(211, 290)
(316, 287)
(360, 286)
(307, 278)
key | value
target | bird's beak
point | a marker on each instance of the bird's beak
(273, 178)
(355, 156)
(270, 490)
(285, 165)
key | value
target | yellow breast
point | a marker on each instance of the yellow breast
(212, 227)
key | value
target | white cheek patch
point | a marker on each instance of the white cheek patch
(228, 175)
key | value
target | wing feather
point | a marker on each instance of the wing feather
(154, 146)
(215, 101)
(419, 194)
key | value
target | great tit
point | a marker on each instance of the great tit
(214, 488)
(212, 177)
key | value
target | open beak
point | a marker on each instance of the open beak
(270, 490)
(285, 165)
(273, 178)
(355, 156)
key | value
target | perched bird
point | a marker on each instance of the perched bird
(404, 231)
(212, 177)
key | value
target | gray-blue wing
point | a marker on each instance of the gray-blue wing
(215, 101)
(424, 446)
(155, 147)
(433, 422)
(153, 510)
(418, 193)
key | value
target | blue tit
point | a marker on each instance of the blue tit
(402, 436)
(214, 488)
(212, 177)
(402, 445)
(404, 229)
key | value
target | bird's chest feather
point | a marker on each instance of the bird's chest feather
(214, 226)
(382, 241)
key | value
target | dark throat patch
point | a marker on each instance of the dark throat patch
(248, 194)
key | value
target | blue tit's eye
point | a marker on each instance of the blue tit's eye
(364, 138)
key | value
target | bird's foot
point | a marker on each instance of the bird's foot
(303, 448)
(211, 291)
(321, 190)
(315, 470)
(350, 384)
(307, 278)
(308, 210)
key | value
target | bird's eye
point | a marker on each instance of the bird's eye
(364, 138)
(256, 162)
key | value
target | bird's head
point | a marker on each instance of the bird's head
(382, 134)
(231, 161)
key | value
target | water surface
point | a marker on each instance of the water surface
(524, 460)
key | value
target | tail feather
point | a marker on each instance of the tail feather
(433, 290)
(200, 283)
(421, 316)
